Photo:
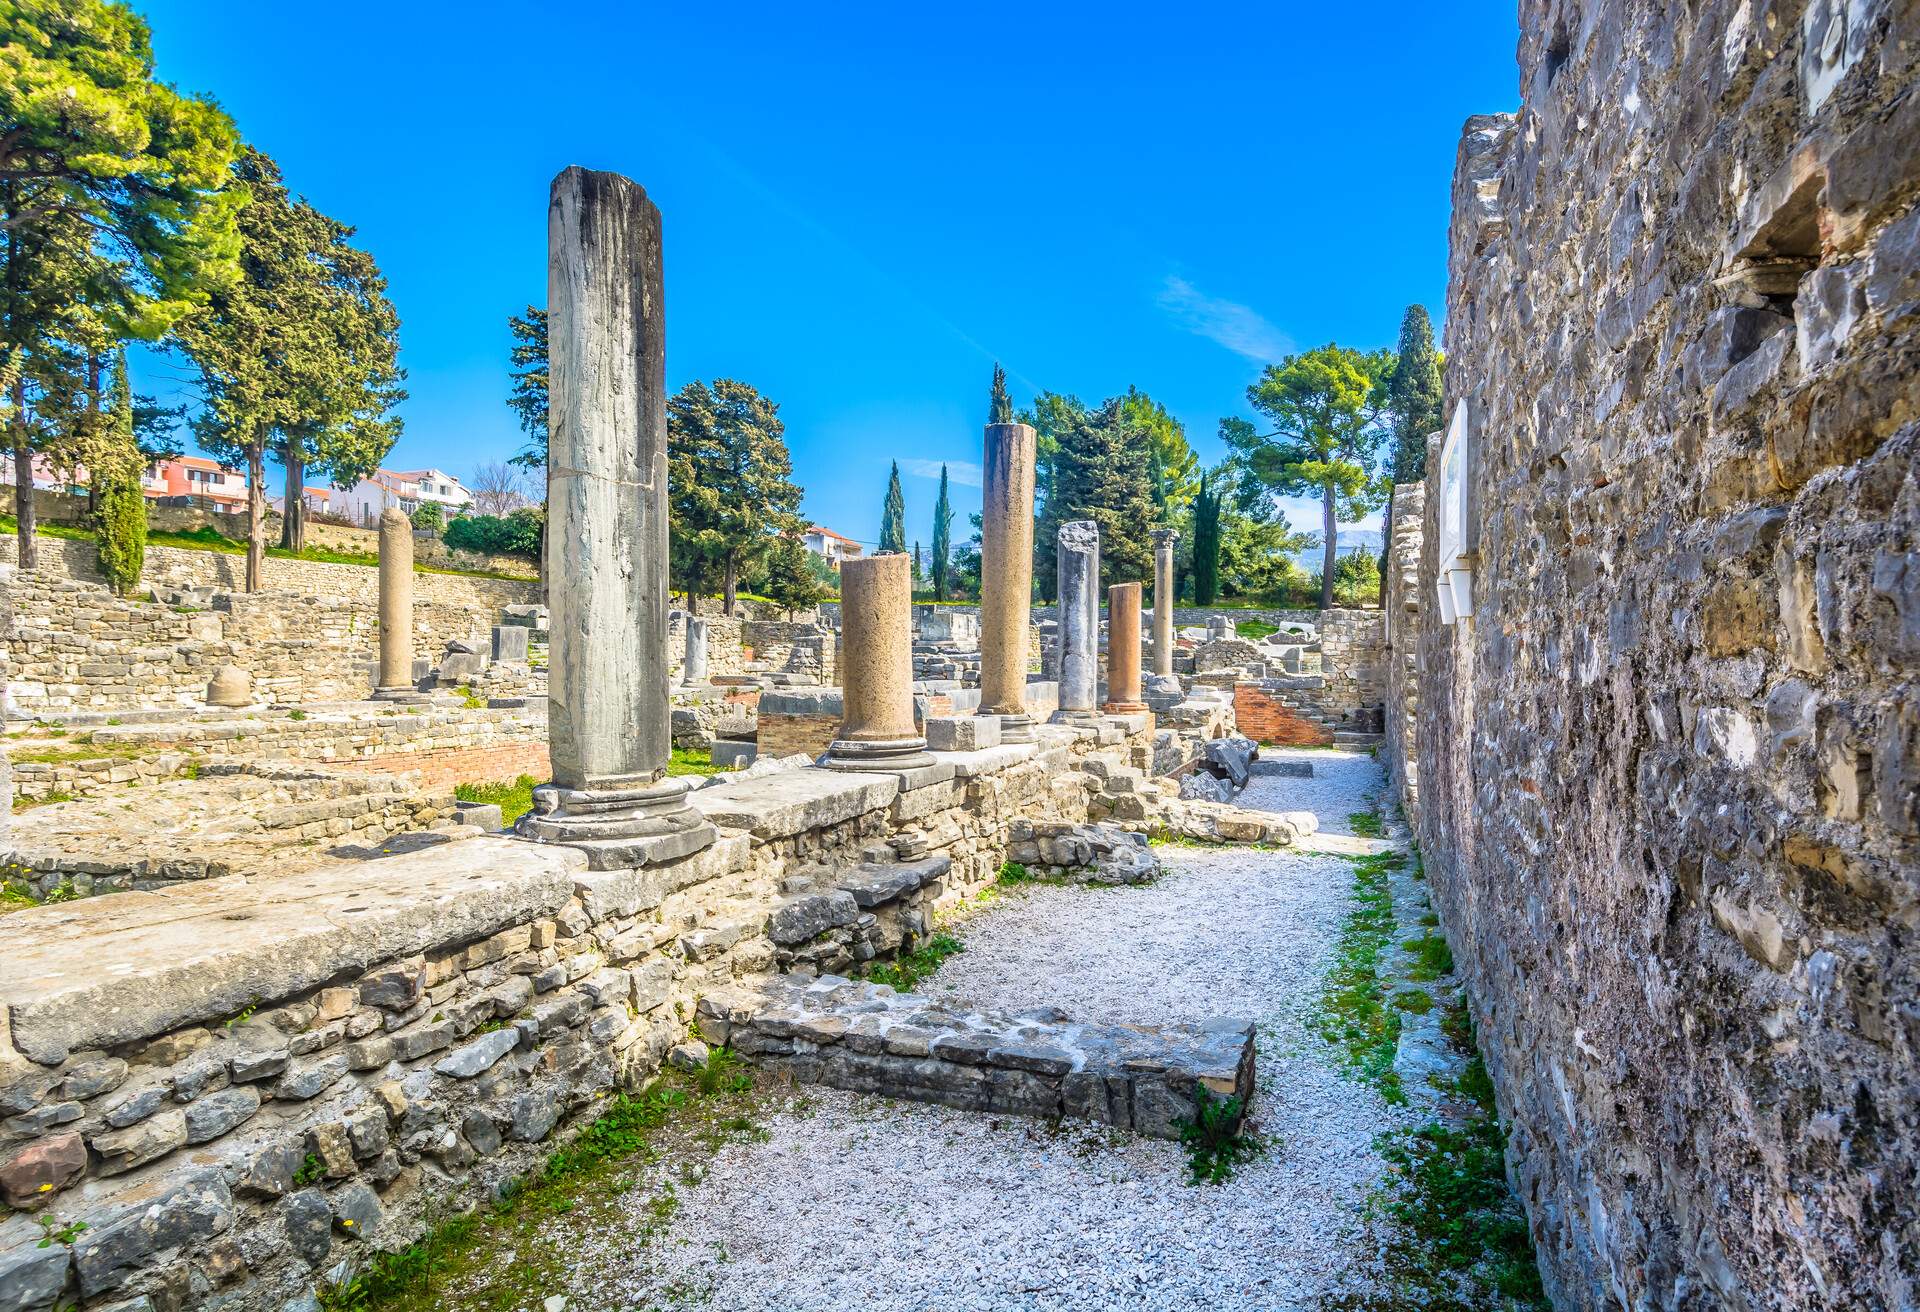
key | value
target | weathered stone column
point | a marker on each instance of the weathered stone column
(1078, 577)
(1006, 578)
(876, 668)
(395, 680)
(1123, 650)
(608, 721)
(1163, 600)
(693, 668)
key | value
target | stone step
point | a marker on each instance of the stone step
(868, 1038)
(1351, 738)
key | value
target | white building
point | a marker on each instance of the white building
(835, 548)
(408, 489)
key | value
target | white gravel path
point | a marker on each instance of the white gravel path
(854, 1202)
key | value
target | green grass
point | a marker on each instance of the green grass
(691, 761)
(498, 1258)
(909, 968)
(1254, 630)
(1365, 823)
(16, 895)
(514, 799)
(1432, 958)
(1353, 1014)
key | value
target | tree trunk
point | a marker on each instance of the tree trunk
(731, 583)
(1328, 531)
(29, 552)
(293, 515)
(256, 515)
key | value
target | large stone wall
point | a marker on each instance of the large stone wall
(1670, 769)
(422, 1025)
(1401, 646)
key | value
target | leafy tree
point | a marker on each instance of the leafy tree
(893, 516)
(430, 517)
(964, 577)
(522, 533)
(730, 484)
(1414, 396)
(115, 212)
(1326, 407)
(942, 540)
(1257, 544)
(120, 519)
(1206, 545)
(792, 584)
(1356, 579)
(527, 397)
(294, 356)
(1172, 465)
(999, 404)
(1100, 473)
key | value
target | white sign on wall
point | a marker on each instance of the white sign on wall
(1454, 583)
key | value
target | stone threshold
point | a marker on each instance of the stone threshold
(869, 1038)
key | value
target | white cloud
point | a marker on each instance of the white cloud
(1237, 327)
(962, 472)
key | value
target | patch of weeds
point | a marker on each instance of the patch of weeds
(470, 699)
(1417, 1001)
(311, 1169)
(691, 761)
(242, 1016)
(1013, 873)
(1432, 958)
(1213, 1139)
(1365, 823)
(296, 714)
(514, 799)
(55, 1231)
(64, 891)
(909, 968)
(1353, 1014)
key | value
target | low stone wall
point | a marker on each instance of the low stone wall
(1402, 646)
(1353, 660)
(240, 1084)
(724, 654)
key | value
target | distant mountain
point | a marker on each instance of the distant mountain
(1350, 540)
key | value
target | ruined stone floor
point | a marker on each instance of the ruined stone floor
(852, 1201)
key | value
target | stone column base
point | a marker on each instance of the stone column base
(405, 694)
(1085, 715)
(1125, 708)
(887, 754)
(619, 828)
(1016, 728)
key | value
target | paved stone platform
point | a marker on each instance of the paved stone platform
(869, 1038)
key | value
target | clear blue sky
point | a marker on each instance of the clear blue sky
(866, 205)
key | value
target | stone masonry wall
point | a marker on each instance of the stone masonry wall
(278, 1073)
(1670, 769)
(1352, 659)
(1401, 646)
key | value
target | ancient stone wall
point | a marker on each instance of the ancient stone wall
(1669, 769)
(1401, 646)
(279, 1072)
(1352, 659)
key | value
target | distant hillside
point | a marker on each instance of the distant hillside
(1351, 540)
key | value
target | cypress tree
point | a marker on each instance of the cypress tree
(893, 516)
(1206, 545)
(942, 538)
(120, 520)
(1414, 395)
(999, 405)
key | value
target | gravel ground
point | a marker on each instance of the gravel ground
(860, 1202)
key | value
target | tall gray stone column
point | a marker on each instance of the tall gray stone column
(693, 668)
(1078, 576)
(1163, 600)
(1123, 650)
(876, 668)
(1006, 578)
(395, 679)
(608, 720)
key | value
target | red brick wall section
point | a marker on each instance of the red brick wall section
(464, 765)
(783, 735)
(1265, 720)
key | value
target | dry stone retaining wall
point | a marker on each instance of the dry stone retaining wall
(420, 1025)
(1669, 771)
(1401, 646)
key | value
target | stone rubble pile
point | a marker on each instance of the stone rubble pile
(1089, 854)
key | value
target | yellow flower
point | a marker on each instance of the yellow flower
(346, 1221)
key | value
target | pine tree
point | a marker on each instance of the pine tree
(1100, 472)
(120, 520)
(999, 405)
(1414, 396)
(791, 582)
(893, 516)
(730, 484)
(942, 539)
(1206, 545)
(527, 366)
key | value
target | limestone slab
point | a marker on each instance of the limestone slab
(788, 803)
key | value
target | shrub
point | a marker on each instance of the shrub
(429, 518)
(518, 534)
(120, 533)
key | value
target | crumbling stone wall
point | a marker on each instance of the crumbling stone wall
(1352, 659)
(1670, 768)
(1401, 646)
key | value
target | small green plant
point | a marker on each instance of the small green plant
(1213, 1139)
(470, 699)
(1417, 1001)
(1014, 873)
(1432, 958)
(296, 714)
(310, 1170)
(55, 1231)
(242, 1016)
(906, 971)
(723, 1072)
(1365, 823)
(64, 891)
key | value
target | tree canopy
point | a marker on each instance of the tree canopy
(527, 394)
(893, 515)
(730, 484)
(1414, 396)
(999, 404)
(1326, 407)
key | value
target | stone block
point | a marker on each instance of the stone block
(962, 733)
